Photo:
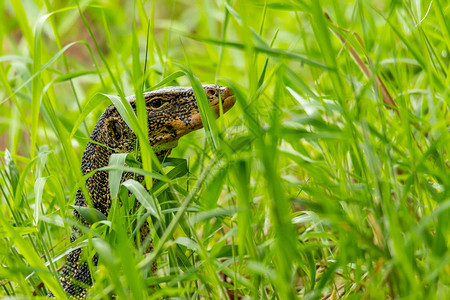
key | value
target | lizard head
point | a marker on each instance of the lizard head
(172, 112)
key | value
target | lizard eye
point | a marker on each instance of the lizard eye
(156, 103)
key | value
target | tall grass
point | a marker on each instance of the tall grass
(328, 179)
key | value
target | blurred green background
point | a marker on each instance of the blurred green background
(328, 179)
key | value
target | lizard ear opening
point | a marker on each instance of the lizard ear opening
(114, 131)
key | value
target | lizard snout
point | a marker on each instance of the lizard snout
(227, 97)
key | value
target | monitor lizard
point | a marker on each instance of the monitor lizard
(172, 112)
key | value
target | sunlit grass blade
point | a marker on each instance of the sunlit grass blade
(33, 259)
(276, 53)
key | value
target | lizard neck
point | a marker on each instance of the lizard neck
(95, 156)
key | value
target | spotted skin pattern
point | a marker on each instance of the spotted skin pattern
(172, 112)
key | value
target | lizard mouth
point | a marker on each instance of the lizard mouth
(227, 97)
(227, 103)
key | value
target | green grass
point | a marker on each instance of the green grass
(328, 179)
